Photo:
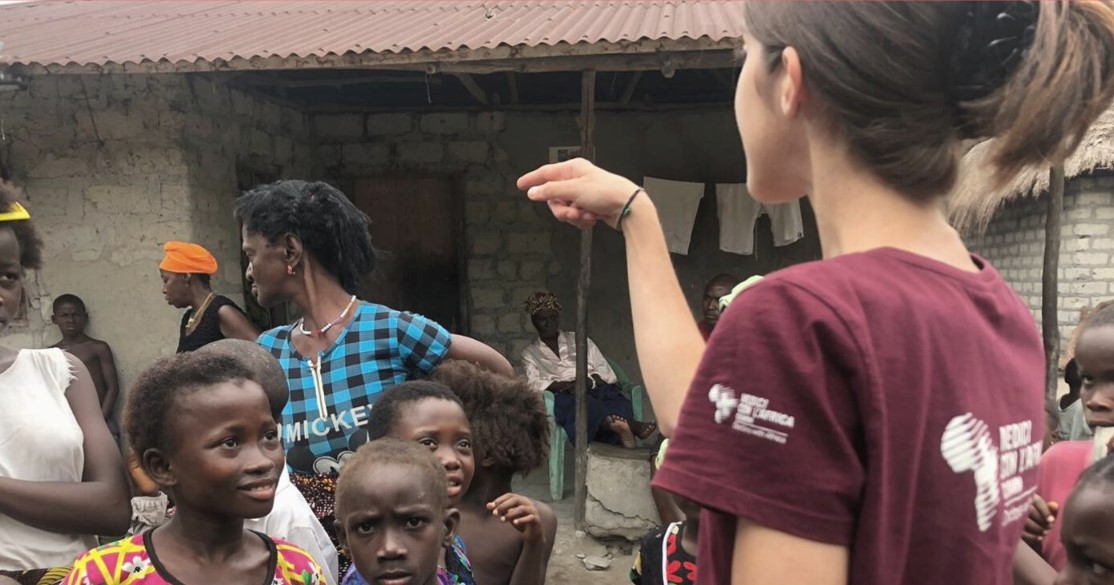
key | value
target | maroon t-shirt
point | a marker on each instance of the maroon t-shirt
(880, 401)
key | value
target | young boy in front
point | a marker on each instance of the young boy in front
(72, 318)
(393, 513)
(509, 537)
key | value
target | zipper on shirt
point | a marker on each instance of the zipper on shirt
(318, 386)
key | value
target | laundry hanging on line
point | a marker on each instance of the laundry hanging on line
(739, 213)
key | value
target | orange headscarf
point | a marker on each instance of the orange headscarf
(187, 258)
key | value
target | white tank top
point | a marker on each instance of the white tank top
(40, 440)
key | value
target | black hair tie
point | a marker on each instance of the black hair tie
(991, 40)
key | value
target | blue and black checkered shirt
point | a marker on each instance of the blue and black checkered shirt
(379, 348)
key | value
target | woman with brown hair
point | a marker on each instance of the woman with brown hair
(873, 417)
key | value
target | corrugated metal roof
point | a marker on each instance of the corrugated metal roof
(102, 32)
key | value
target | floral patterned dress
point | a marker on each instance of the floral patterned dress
(133, 561)
(662, 560)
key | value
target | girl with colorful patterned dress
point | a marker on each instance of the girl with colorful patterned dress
(60, 471)
(219, 457)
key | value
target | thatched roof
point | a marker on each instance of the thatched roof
(973, 201)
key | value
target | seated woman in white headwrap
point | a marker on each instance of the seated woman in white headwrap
(550, 364)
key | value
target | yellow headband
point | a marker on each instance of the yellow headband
(16, 213)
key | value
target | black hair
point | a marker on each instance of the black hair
(722, 279)
(333, 230)
(69, 299)
(1072, 378)
(393, 451)
(508, 418)
(30, 243)
(1101, 473)
(204, 279)
(388, 407)
(265, 369)
(151, 402)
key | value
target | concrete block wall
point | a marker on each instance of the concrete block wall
(507, 239)
(1014, 243)
(115, 165)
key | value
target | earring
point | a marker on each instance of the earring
(289, 270)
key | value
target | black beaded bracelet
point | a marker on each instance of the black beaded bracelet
(626, 208)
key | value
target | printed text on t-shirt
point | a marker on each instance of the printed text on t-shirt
(752, 414)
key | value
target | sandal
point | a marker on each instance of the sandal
(643, 430)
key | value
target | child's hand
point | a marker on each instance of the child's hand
(521, 512)
(1041, 516)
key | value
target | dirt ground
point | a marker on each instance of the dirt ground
(565, 566)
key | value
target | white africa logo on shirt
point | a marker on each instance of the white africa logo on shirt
(967, 446)
(725, 401)
(750, 414)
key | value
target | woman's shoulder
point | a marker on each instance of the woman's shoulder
(54, 364)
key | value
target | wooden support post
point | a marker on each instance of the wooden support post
(587, 150)
(475, 90)
(512, 82)
(1050, 319)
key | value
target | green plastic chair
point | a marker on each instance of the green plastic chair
(558, 438)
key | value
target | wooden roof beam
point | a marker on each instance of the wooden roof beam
(473, 88)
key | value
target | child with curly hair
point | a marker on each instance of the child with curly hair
(203, 431)
(509, 536)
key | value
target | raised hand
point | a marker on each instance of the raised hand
(1041, 516)
(579, 192)
(521, 513)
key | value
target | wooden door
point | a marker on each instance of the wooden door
(416, 228)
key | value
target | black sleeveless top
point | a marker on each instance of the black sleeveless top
(208, 330)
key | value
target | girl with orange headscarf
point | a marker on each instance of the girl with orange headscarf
(186, 270)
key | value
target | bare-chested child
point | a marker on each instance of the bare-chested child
(509, 537)
(71, 317)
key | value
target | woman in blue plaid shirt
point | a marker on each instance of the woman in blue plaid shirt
(308, 244)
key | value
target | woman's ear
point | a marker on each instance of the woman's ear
(791, 90)
(157, 465)
(293, 250)
(452, 523)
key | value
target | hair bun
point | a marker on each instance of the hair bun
(990, 41)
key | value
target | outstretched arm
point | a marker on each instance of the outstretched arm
(465, 348)
(111, 380)
(98, 504)
(668, 342)
(234, 324)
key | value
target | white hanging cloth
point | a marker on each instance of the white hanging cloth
(677, 203)
(738, 215)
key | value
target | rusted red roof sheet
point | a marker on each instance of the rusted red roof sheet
(101, 32)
